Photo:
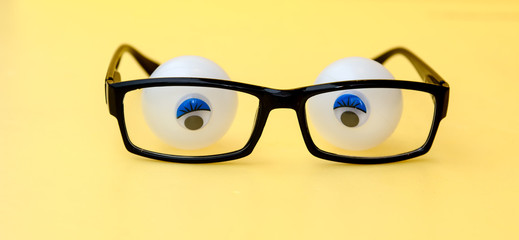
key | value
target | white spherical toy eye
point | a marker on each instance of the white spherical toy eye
(188, 117)
(190, 66)
(357, 119)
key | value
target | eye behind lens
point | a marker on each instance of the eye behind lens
(351, 109)
(193, 113)
(355, 119)
(184, 117)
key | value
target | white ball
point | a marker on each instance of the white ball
(189, 117)
(376, 113)
(190, 66)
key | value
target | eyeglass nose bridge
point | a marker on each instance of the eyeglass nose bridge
(282, 98)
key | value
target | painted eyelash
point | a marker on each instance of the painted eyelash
(198, 105)
(355, 102)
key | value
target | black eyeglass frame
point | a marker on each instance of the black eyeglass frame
(270, 99)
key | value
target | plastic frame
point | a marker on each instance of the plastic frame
(270, 99)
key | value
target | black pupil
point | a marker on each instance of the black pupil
(194, 122)
(349, 119)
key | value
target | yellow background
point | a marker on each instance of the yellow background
(65, 174)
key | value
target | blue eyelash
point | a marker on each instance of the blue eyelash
(349, 100)
(191, 105)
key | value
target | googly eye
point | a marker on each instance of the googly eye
(350, 110)
(193, 113)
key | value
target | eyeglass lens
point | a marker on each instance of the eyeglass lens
(189, 121)
(372, 122)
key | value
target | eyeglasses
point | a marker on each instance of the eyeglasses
(201, 120)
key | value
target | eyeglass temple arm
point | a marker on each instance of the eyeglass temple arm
(425, 72)
(113, 76)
